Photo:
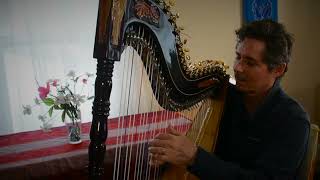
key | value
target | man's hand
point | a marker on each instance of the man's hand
(172, 147)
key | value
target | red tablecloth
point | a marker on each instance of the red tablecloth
(38, 154)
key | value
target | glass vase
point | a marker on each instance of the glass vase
(74, 128)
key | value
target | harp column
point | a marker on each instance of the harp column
(100, 112)
(107, 50)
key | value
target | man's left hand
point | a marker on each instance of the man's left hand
(172, 147)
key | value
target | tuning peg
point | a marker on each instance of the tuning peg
(186, 50)
(185, 41)
(180, 28)
(172, 2)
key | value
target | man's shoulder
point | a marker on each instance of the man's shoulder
(285, 117)
(289, 106)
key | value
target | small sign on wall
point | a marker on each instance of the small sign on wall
(254, 10)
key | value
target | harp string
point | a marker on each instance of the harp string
(142, 72)
(132, 80)
(115, 168)
(139, 51)
(154, 115)
(138, 112)
(197, 124)
(143, 137)
(126, 112)
(139, 160)
(153, 62)
(150, 60)
(122, 123)
(157, 170)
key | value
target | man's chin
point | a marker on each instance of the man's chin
(245, 90)
(242, 88)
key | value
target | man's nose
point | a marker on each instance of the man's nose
(237, 66)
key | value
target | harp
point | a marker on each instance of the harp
(162, 85)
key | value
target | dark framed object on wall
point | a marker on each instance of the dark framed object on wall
(259, 9)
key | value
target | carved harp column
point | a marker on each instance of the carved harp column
(178, 85)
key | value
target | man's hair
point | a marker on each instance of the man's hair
(278, 41)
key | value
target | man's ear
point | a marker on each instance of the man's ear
(279, 70)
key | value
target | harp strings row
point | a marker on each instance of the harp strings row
(140, 116)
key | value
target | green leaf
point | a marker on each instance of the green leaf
(69, 114)
(63, 116)
(91, 97)
(48, 101)
(50, 111)
(57, 107)
(74, 112)
(77, 78)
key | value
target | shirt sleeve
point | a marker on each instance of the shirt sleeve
(280, 158)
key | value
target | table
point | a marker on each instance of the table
(38, 154)
(48, 155)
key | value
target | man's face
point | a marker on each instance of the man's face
(251, 73)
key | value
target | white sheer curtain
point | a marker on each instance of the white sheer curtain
(41, 39)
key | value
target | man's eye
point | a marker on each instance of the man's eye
(249, 63)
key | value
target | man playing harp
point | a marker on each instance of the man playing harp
(264, 132)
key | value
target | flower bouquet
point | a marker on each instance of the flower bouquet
(65, 96)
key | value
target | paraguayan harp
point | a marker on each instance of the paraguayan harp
(179, 91)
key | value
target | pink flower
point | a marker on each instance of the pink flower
(84, 81)
(44, 91)
(55, 83)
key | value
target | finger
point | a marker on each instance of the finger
(163, 158)
(173, 131)
(161, 154)
(163, 136)
(156, 163)
(159, 158)
(154, 160)
(160, 143)
(155, 151)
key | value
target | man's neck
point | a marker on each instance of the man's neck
(253, 100)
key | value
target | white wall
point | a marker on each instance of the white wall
(302, 19)
(41, 39)
(45, 39)
(210, 25)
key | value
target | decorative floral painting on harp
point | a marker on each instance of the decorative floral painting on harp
(260, 9)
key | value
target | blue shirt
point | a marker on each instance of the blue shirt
(268, 144)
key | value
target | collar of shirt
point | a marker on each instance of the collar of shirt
(266, 104)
